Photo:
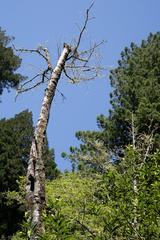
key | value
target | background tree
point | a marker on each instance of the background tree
(135, 96)
(135, 102)
(9, 63)
(130, 134)
(16, 135)
(51, 171)
(91, 155)
(15, 140)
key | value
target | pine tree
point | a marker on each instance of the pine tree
(135, 102)
(9, 63)
(135, 96)
(15, 140)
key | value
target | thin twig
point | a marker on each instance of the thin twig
(75, 50)
(30, 80)
(66, 74)
(84, 27)
(39, 51)
(63, 96)
(92, 48)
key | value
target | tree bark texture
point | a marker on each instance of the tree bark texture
(35, 187)
(135, 207)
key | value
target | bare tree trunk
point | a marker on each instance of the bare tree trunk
(35, 188)
(135, 187)
(77, 69)
(135, 220)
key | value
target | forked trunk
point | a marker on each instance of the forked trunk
(35, 187)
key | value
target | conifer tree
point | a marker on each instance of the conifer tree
(135, 102)
(16, 135)
(9, 63)
(135, 96)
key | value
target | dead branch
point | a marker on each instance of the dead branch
(96, 45)
(82, 30)
(149, 146)
(77, 67)
(42, 51)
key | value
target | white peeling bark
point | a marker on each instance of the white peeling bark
(135, 206)
(135, 183)
(35, 187)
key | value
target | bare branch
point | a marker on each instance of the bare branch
(150, 143)
(29, 81)
(84, 27)
(42, 51)
(66, 74)
(96, 45)
(75, 49)
(29, 88)
(85, 79)
(62, 95)
(79, 69)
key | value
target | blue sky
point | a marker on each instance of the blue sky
(51, 22)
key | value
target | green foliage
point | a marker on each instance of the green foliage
(68, 200)
(9, 63)
(136, 91)
(51, 170)
(129, 189)
(91, 154)
(105, 206)
(150, 196)
(135, 101)
(15, 141)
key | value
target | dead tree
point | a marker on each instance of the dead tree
(142, 145)
(76, 66)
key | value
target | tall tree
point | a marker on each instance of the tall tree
(135, 102)
(133, 120)
(136, 95)
(9, 63)
(75, 66)
(15, 140)
(16, 136)
(91, 155)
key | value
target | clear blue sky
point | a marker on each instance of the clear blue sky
(52, 22)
